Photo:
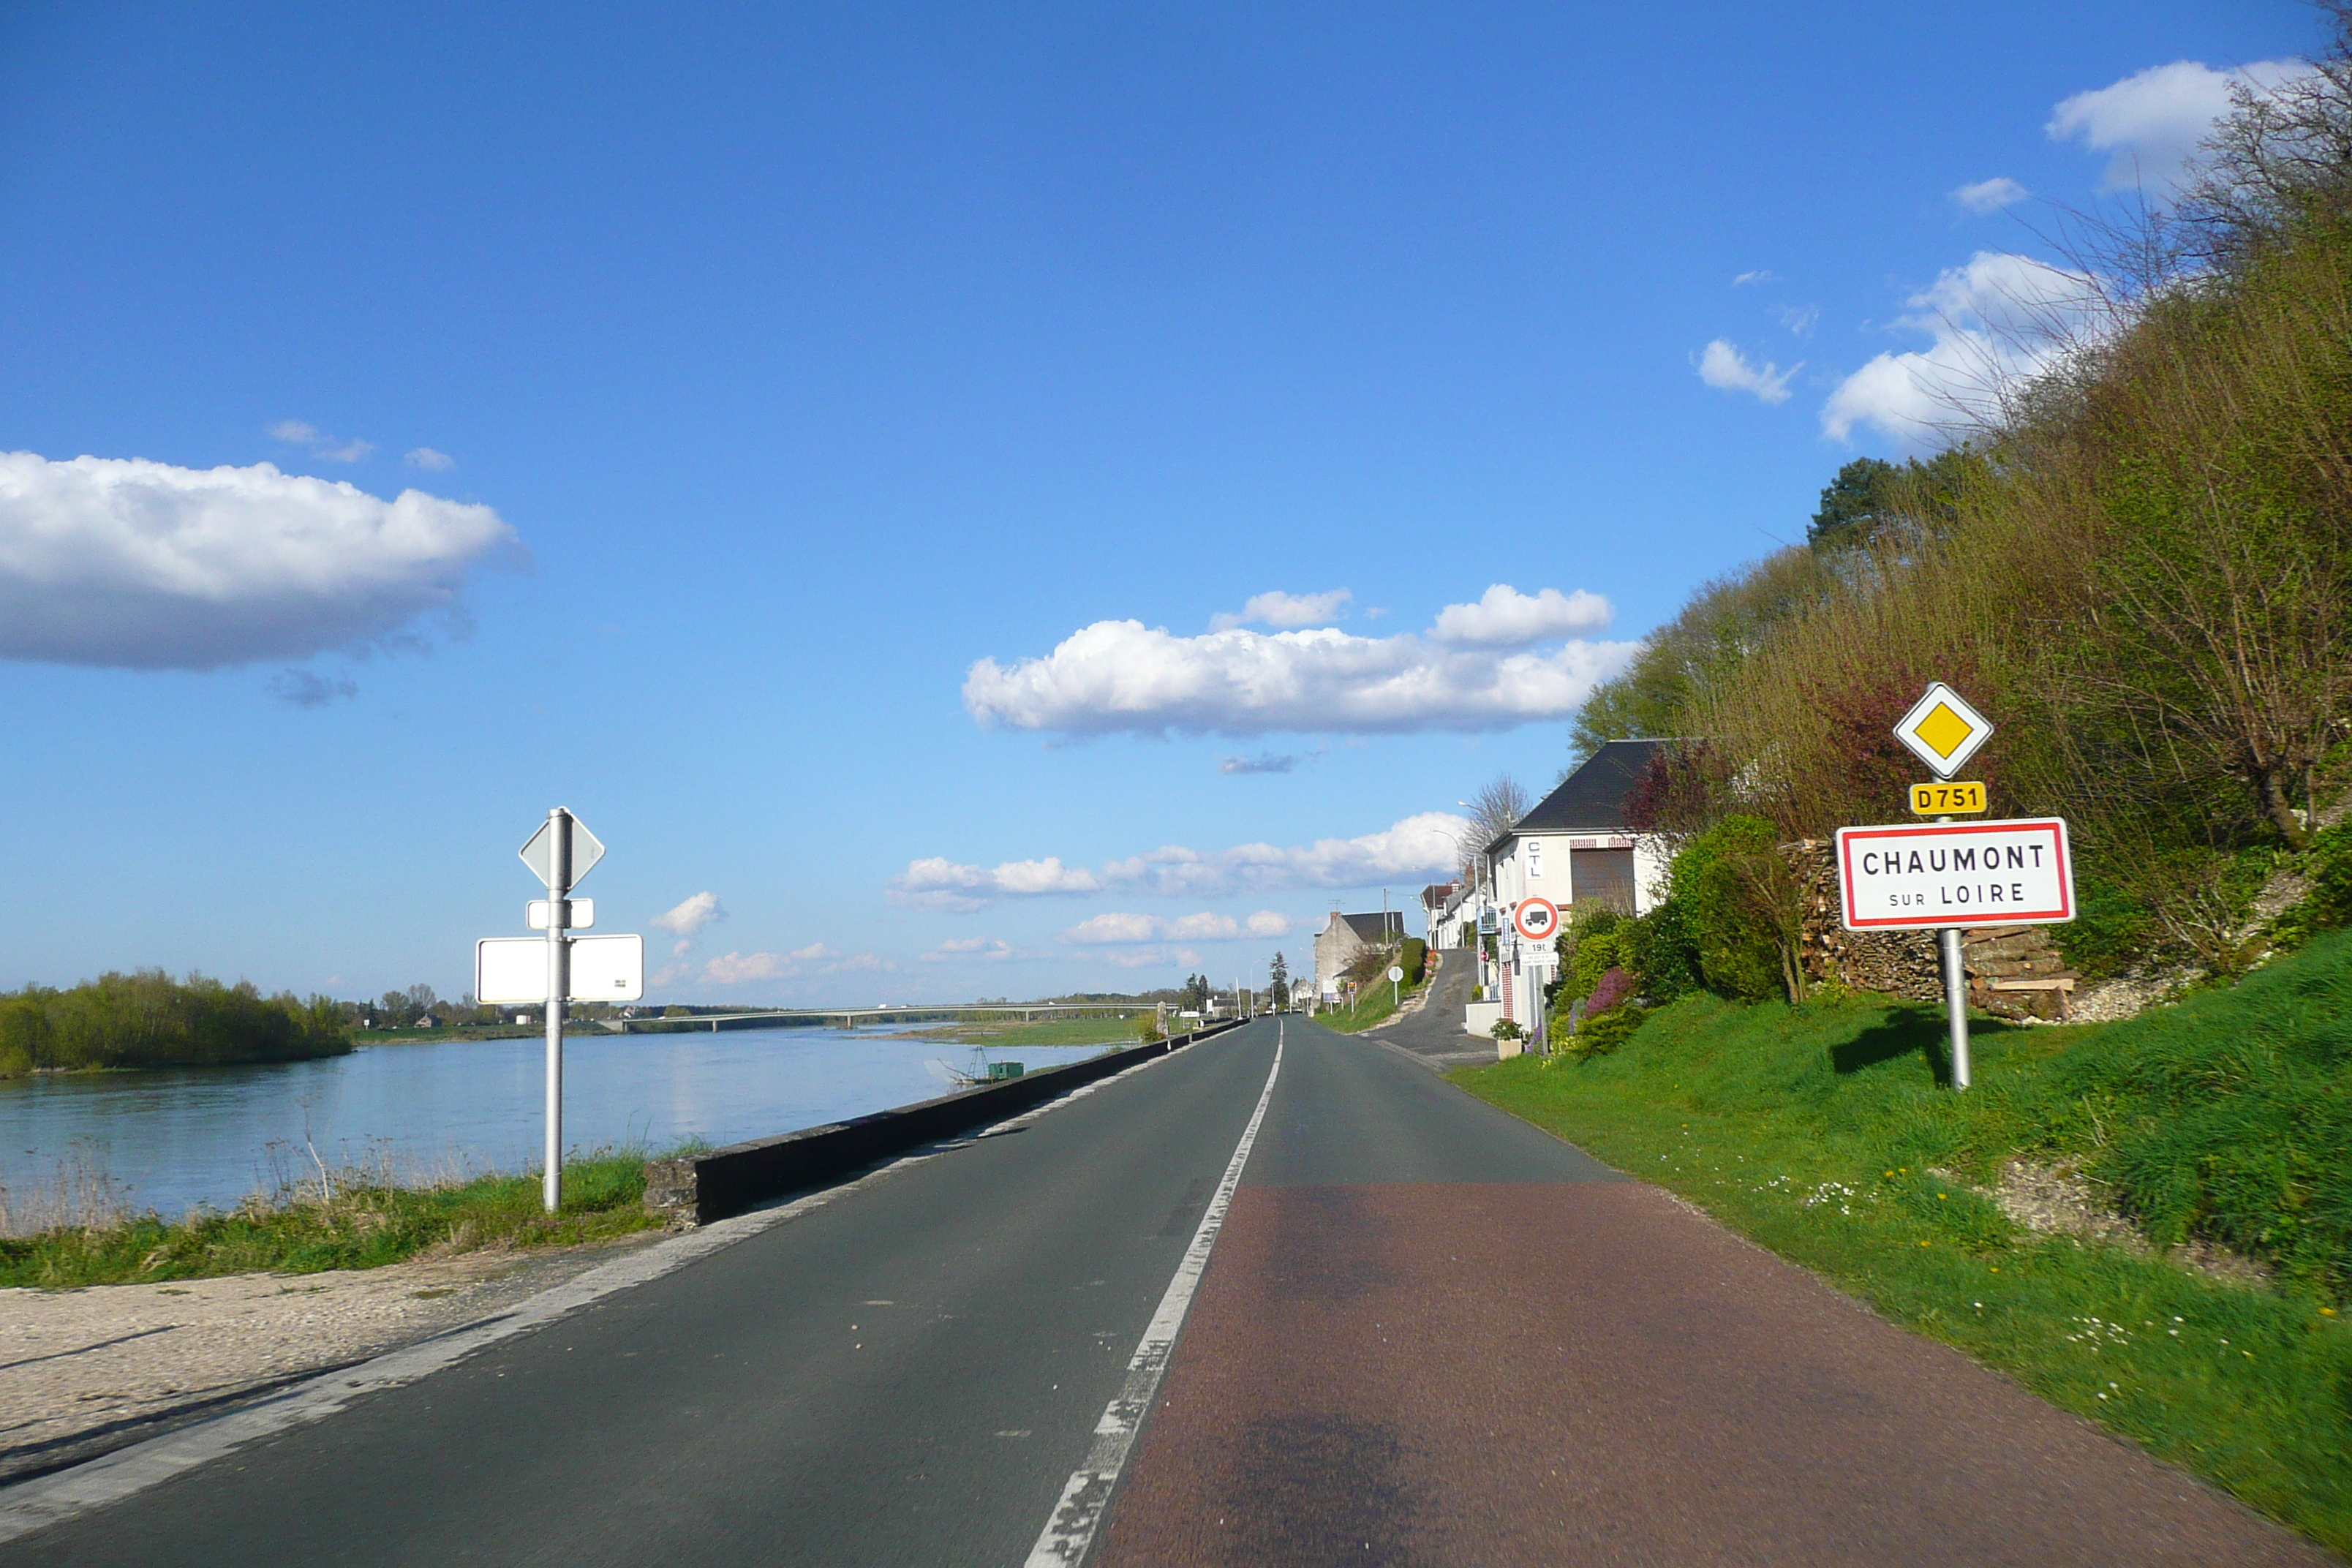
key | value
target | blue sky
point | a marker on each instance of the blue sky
(761, 371)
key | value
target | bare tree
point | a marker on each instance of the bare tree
(1493, 811)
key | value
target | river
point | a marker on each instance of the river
(170, 1138)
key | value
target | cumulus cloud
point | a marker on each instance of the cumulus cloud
(1286, 610)
(1122, 676)
(137, 564)
(1504, 618)
(688, 921)
(1417, 846)
(2150, 122)
(1759, 276)
(1724, 367)
(426, 457)
(1264, 763)
(333, 449)
(689, 917)
(1995, 322)
(1106, 930)
(1991, 195)
(306, 688)
(1149, 957)
(738, 968)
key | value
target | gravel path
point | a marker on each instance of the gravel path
(93, 1370)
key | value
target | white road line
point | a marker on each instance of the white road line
(1070, 1529)
(110, 1478)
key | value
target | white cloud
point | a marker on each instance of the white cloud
(1286, 610)
(333, 449)
(1116, 676)
(1727, 369)
(738, 968)
(2151, 123)
(126, 563)
(426, 457)
(1759, 276)
(1996, 322)
(1800, 320)
(689, 918)
(1111, 929)
(968, 949)
(1264, 763)
(1504, 618)
(1412, 847)
(1991, 195)
(1150, 957)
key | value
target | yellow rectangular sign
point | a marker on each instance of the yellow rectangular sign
(1958, 798)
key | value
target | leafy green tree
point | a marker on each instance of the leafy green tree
(1277, 981)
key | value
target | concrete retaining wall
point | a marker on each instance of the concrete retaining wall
(705, 1188)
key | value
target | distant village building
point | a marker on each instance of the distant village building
(1577, 845)
(1344, 937)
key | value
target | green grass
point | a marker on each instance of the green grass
(1823, 1133)
(1373, 1004)
(1013, 1034)
(363, 1226)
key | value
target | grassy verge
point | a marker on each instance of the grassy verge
(1822, 1133)
(361, 1227)
(1373, 1004)
(1014, 1034)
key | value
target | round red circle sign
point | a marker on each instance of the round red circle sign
(1537, 920)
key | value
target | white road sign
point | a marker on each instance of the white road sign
(1396, 975)
(539, 854)
(536, 913)
(1943, 730)
(1930, 874)
(603, 969)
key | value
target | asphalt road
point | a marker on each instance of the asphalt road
(1429, 1334)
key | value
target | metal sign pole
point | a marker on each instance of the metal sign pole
(1956, 998)
(559, 886)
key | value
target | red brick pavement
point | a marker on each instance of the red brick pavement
(1587, 1372)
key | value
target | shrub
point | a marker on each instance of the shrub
(1615, 988)
(1600, 1035)
(1415, 960)
(1736, 888)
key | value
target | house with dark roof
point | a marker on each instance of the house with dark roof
(1576, 845)
(1344, 937)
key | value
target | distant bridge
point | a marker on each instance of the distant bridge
(846, 1017)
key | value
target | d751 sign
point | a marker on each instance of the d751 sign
(1956, 874)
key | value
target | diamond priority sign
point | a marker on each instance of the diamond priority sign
(1943, 730)
(1932, 873)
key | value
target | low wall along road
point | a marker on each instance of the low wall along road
(724, 1182)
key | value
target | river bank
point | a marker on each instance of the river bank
(91, 1370)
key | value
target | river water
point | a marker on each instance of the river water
(171, 1139)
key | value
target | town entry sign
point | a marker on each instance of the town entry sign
(1922, 875)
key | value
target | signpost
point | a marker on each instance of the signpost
(1933, 875)
(1396, 983)
(562, 968)
(1537, 920)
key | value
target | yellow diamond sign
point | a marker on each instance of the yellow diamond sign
(1943, 730)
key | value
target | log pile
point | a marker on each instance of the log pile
(2031, 969)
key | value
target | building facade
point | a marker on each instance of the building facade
(1345, 937)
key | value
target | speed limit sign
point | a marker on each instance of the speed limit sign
(1537, 920)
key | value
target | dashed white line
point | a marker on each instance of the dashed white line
(1070, 1530)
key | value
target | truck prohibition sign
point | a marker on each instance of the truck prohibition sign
(1956, 873)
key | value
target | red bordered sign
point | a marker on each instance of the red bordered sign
(1929, 874)
(1537, 920)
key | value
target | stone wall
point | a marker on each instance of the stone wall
(1906, 964)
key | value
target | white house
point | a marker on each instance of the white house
(1575, 847)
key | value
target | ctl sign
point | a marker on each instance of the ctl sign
(1956, 873)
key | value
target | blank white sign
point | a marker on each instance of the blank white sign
(603, 969)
